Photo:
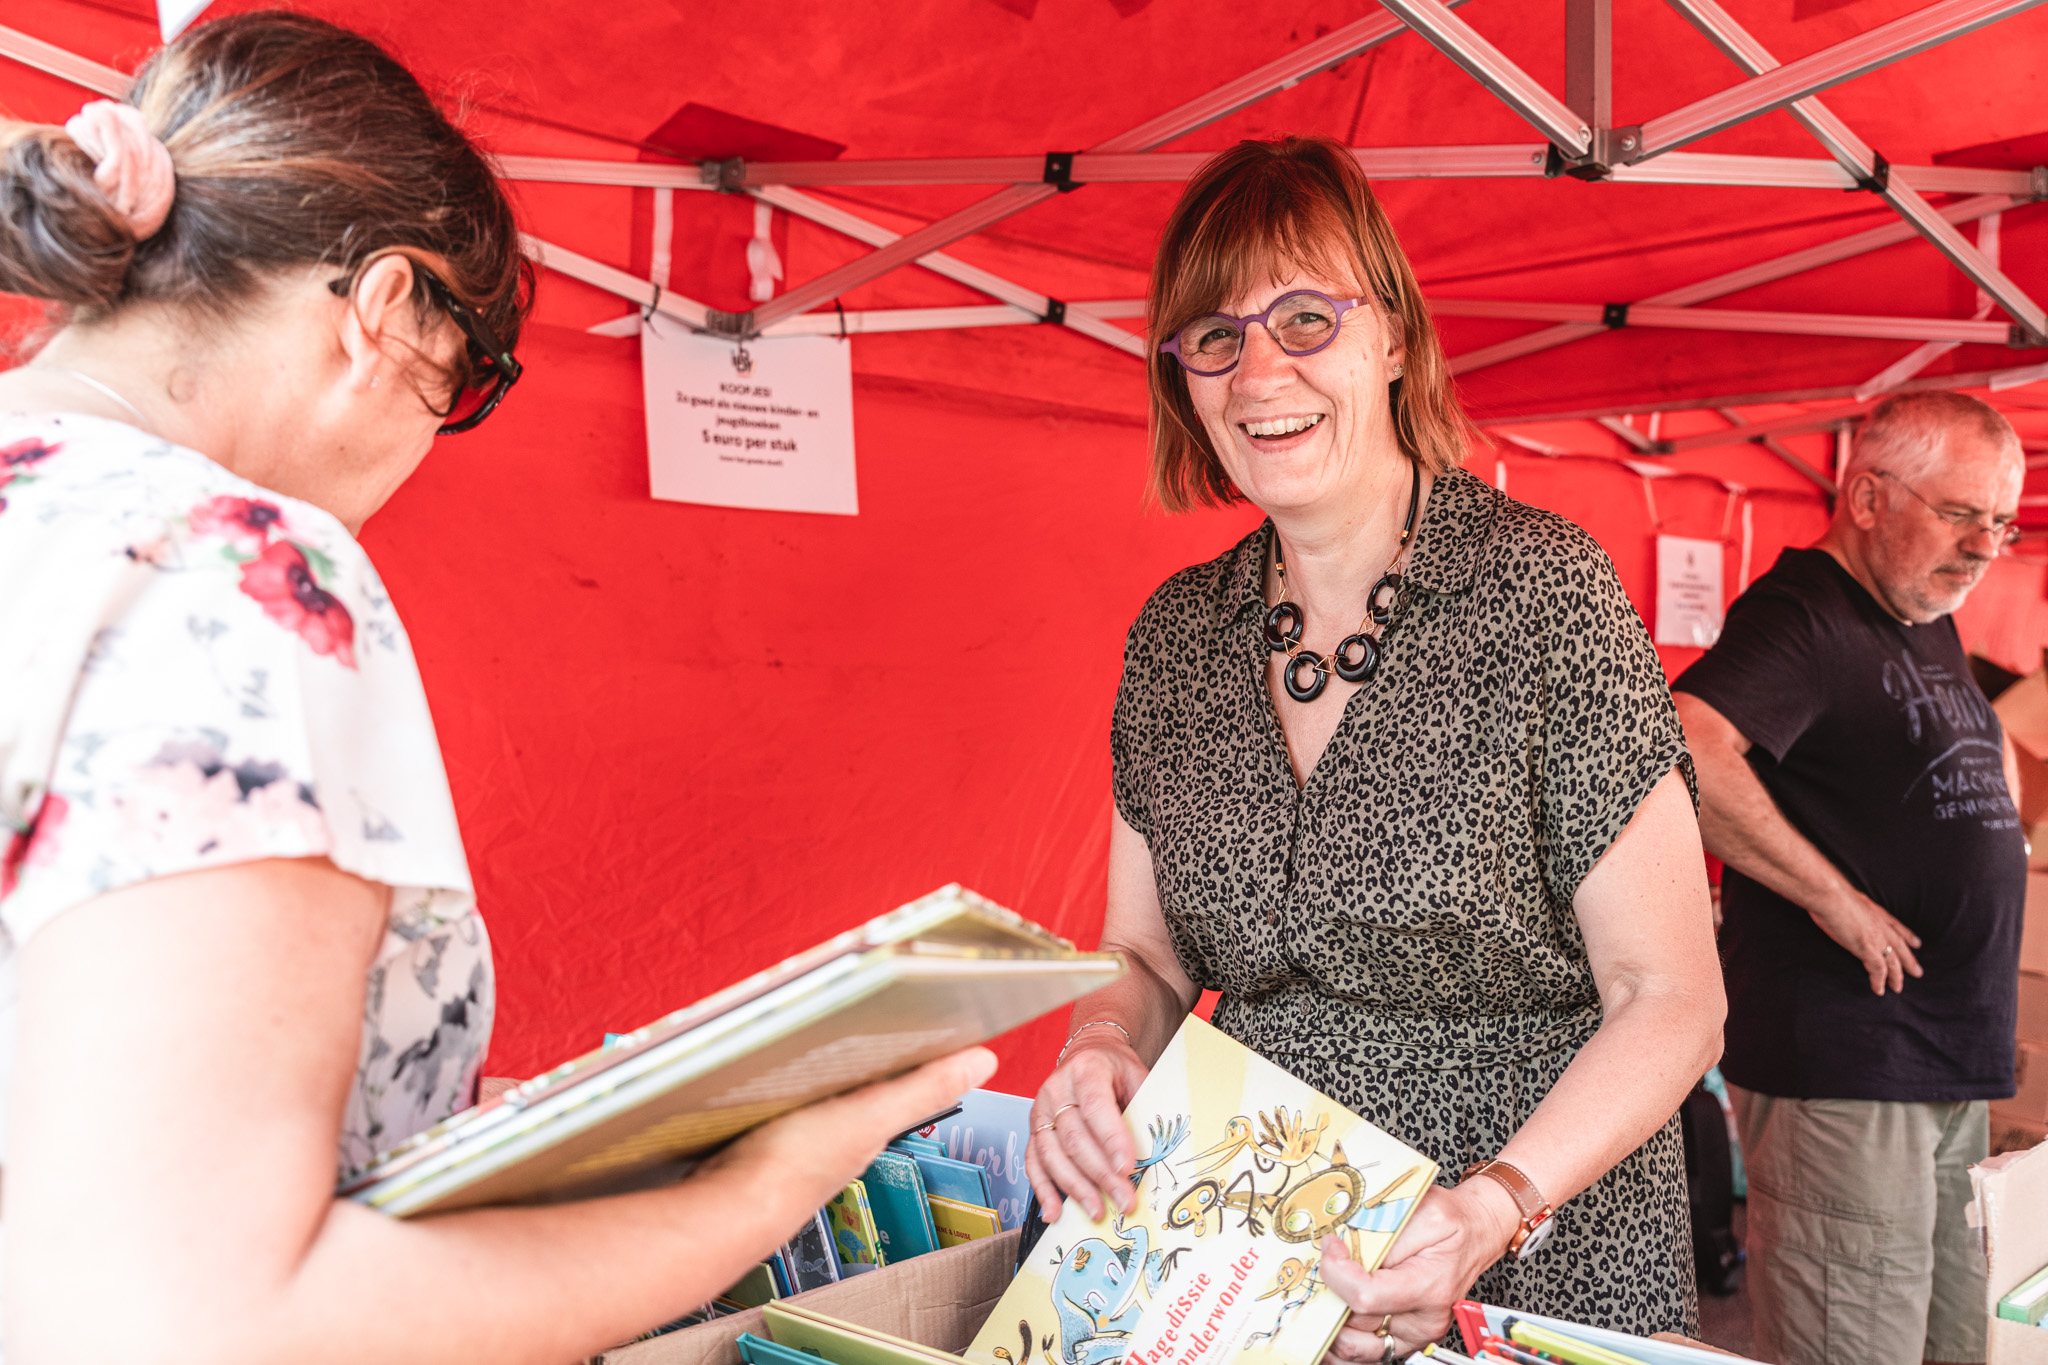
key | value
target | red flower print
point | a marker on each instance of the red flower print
(246, 521)
(15, 460)
(280, 579)
(35, 847)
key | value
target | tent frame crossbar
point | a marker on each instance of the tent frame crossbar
(1579, 142)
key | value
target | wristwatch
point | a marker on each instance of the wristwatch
(1538, 1218)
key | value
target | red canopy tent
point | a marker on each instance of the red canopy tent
(686, 741)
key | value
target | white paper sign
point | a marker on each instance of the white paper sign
(765, 423)
(1689, 610)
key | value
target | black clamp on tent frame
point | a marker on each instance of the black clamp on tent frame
(1055, 312)
(1059, 171)
(725, 176)
(1614, 315)
(1880, 178)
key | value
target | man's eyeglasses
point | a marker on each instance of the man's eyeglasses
(1302, 323)
(1966, 522)
(492, 370)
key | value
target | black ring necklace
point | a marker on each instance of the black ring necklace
(1357, 656)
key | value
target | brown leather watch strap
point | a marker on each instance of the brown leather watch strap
(1520, 1187)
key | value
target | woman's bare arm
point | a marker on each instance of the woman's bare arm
(186, 1047)
(1089, 1157)
(1644, 913)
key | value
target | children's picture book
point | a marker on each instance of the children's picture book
(897, 1198)
(1243, 1170)
(809, 1255)
(939, 974)
(854, 1239)
(844, 1343)
(950, 1179)
(990, 1130)
(920, 1146)
(957, 1222)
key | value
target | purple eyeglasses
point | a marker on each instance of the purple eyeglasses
(1306, 322)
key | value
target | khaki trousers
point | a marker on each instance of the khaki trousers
(1858, 1249)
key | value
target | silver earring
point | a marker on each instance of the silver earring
(1397, 371)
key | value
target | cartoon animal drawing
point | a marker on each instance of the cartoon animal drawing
(1290, 1141)
(1295, 1285)
(1166, 1139)
(1237, 1135)
(1096, 1293)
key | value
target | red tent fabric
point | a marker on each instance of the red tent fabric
(686, 741)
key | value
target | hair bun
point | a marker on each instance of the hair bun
(61, 238)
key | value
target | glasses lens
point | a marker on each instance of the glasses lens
(1302, 322)
(1210, 344)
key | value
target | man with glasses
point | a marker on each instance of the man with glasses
(1859, 790)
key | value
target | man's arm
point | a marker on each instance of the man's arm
(1744, 828)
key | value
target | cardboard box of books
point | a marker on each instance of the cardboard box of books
(1243, 1172)
(2012, 1209)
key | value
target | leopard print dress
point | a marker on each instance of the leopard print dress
(1398, 930)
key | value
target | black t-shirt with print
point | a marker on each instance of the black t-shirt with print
(1877, 745)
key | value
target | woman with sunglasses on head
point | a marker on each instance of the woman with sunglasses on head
(240, 950)
(1397, 775)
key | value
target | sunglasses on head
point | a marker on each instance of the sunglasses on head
(492, 368)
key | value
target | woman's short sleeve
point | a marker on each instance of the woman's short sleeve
(1609, 729)
(243, 697)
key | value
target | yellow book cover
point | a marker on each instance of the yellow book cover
(959, 1222)
(1242, 1171)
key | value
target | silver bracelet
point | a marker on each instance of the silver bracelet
(1094, 1023)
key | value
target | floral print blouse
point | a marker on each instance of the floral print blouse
(196, 672)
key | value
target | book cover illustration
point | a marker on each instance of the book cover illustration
(990, 1131)
(959, 1222)
(854, 1239)
(897, 1199)
(1243, 1171)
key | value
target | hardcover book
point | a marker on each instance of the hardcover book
(1243, 1171)
(854, 1238)
(940, 974)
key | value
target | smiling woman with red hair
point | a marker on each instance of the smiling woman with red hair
(1399, 776)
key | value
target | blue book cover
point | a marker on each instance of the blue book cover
(990, 1130)
(957, 1180)
(761, 1351)
(896, 1197)
(918, 1146)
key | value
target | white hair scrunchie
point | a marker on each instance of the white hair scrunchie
(131, 165)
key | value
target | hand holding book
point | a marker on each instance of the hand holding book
(1454, 1235)
(806, 1157)
(1080, 1146)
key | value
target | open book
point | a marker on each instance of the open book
(942, 973)
(1243, 1170)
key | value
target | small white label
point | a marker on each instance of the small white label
(765, 424)
(1689, 610)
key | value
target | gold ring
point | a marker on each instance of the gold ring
(1063, 1109)
(1385, 1323)
(1046, 1127)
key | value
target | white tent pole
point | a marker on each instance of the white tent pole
(1274, 76)
(1784, 452)
(1920, 357)
(1038, 305)
(1747, 277)
(65, 65)
(1861, 161)
(1866, 52)
(1743, 433)
(1484, 161)
(1485, 63)
(1733, 320)
(613, 280)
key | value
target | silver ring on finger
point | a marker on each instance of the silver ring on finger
(1887, 950)
(1387, 1354)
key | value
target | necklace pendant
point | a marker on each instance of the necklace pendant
(1357, 658)
(1384, 597)
(1318, 675)
(1283, 627)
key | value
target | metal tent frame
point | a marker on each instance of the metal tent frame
(1580, 141)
